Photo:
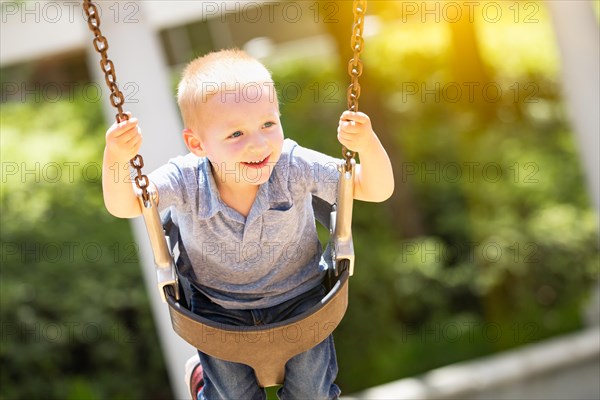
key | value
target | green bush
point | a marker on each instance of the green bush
(75, 317)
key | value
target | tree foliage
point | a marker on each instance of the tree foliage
(75, 317)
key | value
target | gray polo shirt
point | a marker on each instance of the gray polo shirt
(261, 260)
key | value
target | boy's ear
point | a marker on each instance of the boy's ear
(193, 143)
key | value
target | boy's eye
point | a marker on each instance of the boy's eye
(268, 124)
(236, 134)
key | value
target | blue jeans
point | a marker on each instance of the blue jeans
(309, 375)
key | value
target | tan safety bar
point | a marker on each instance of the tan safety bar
(165, 266)
(265, 348)
(341, 218)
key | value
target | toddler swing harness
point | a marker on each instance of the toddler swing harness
(265, 348)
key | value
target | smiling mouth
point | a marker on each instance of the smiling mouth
(258, 163)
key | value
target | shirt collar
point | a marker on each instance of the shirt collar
(209, 201)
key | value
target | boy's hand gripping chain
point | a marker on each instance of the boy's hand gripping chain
(355, 65)
(165, 266)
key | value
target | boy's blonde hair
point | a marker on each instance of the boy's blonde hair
(219, 71)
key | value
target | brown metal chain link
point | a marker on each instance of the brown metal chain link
(116, 96)
(355, 65)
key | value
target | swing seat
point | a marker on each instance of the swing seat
(265, 348)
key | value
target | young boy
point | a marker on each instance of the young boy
(242, 201)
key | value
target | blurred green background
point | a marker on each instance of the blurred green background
(489, 242)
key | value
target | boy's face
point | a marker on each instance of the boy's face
(241, 134)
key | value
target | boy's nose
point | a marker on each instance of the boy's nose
(258, 143)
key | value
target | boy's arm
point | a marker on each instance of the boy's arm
(123, 140)
(374, 178)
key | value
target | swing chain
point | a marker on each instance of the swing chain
(116, 96)
(355, 65)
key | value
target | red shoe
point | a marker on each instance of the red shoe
(194, 376)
